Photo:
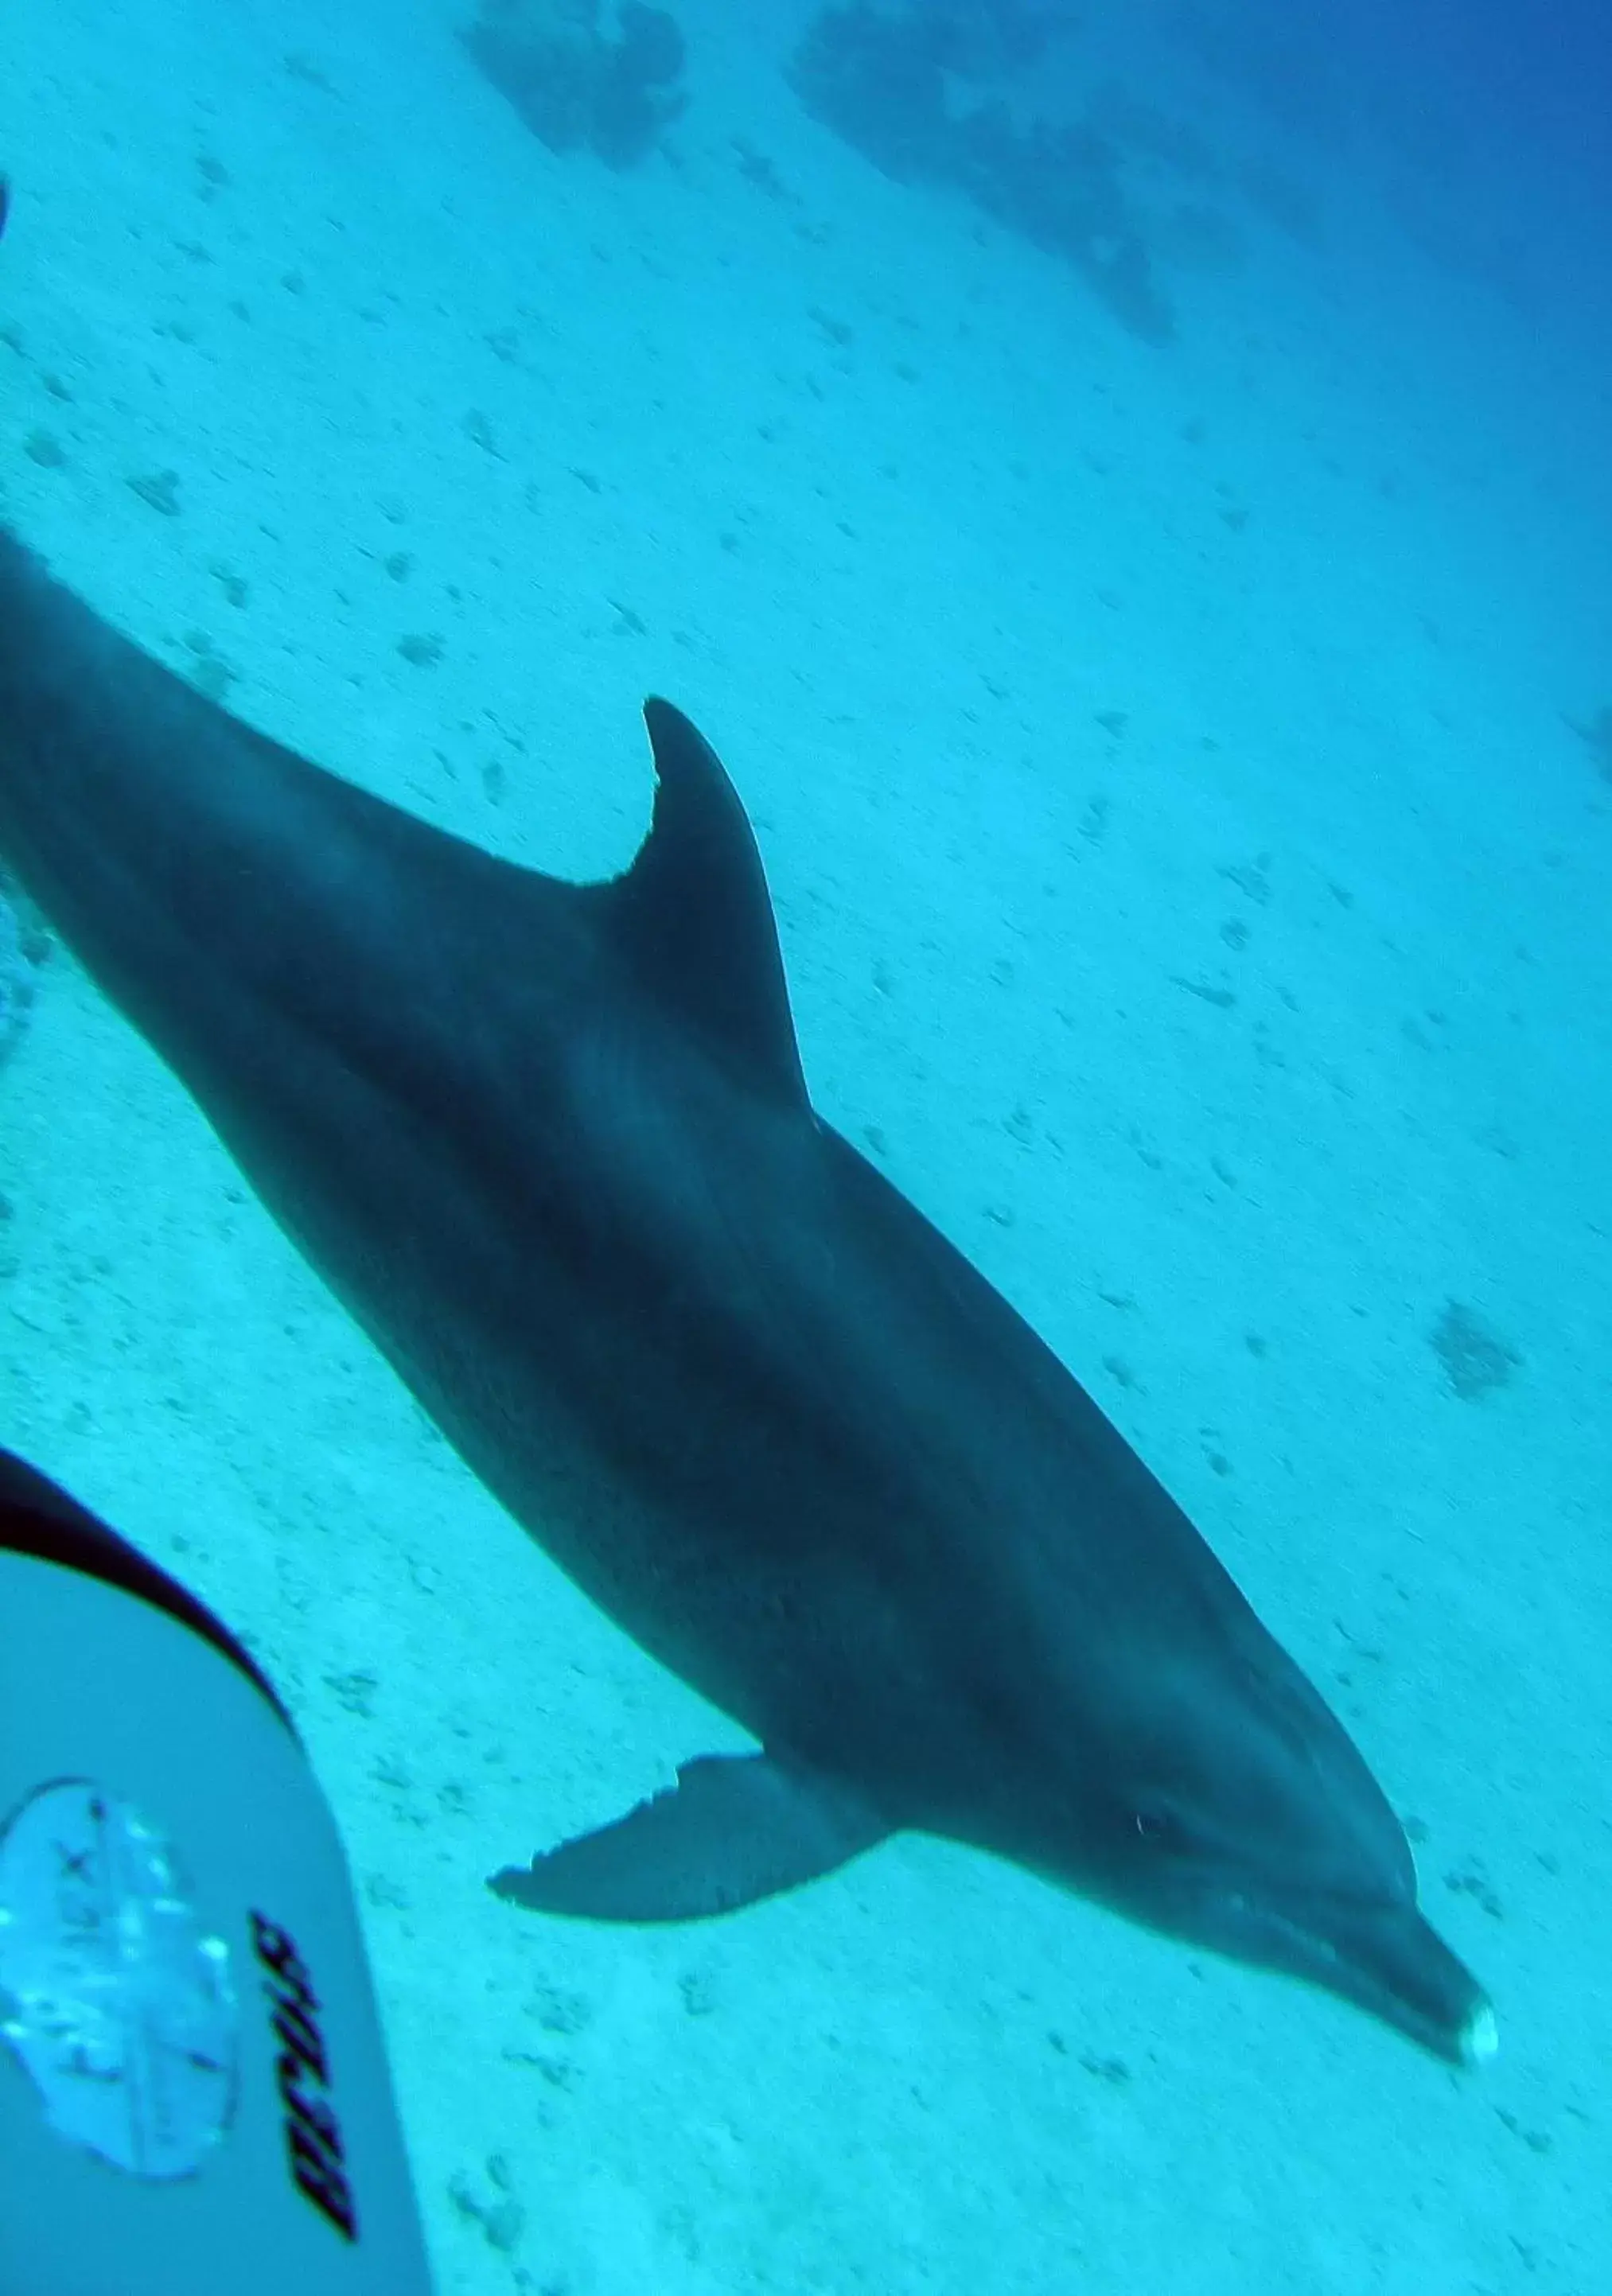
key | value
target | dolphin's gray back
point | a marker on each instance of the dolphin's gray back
(200, 870)
(506, 1118)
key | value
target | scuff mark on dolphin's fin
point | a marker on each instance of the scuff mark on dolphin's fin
(734, 1828)
(693, 917)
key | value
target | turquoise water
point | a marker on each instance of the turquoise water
(1170, 722)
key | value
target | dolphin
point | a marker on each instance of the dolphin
(552, 1145)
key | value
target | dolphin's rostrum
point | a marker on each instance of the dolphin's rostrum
(552, 1146)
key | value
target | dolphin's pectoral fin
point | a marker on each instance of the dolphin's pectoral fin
(734, 1827)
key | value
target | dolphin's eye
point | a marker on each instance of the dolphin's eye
(1160, 1828)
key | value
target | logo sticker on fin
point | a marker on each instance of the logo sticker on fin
(119, 2006)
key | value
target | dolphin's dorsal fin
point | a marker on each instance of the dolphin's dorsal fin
(694, 918)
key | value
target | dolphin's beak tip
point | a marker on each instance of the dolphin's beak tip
(1479, 2039)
